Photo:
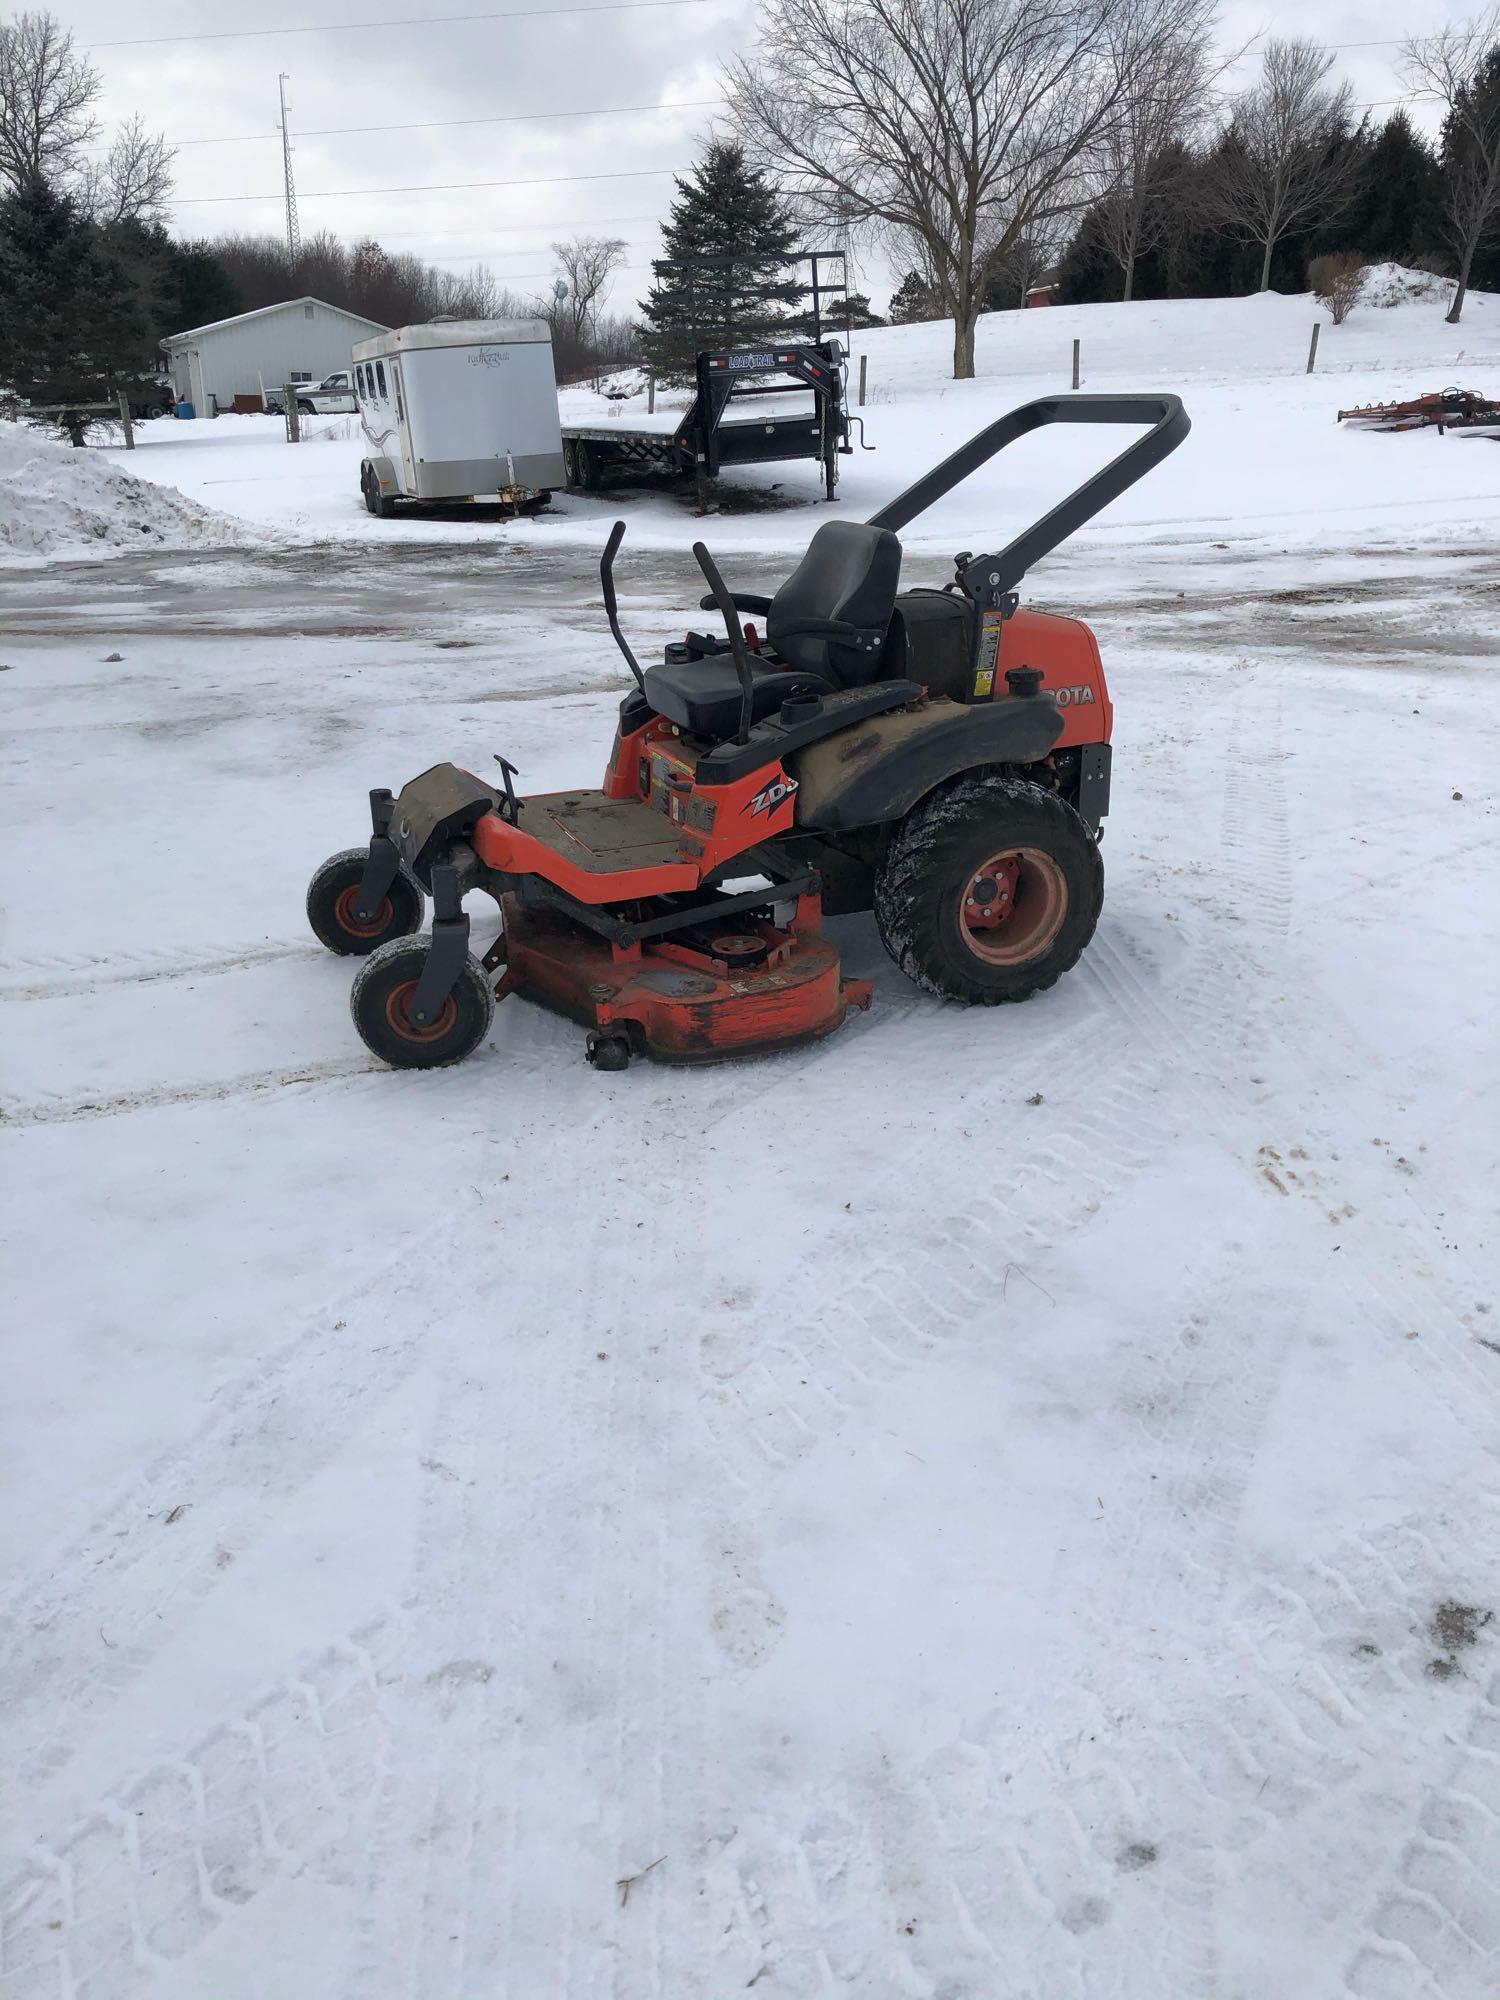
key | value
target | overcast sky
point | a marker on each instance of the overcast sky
(656, 67)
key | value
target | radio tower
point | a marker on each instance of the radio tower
(293, 233)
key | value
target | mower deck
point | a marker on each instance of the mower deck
(704, 996)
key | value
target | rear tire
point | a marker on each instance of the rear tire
(381, 1005)
(989, 891)
(331, 896)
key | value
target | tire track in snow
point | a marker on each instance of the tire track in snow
(1435, 1934)
(158, 1865)
(164, 1097)
(93, 1615)
(283, 1427)
(88, 974)
(517, 1817)
(1064, 1850)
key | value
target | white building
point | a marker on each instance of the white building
(300, 341)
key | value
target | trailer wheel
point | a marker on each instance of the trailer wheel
(581, 465)
(989, 891)
(331, 896)
(367, 487)
(381, 1002)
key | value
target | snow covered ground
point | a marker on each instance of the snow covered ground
(996, 1505)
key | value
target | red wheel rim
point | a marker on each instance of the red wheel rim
(1013, 907)
(349, 924)
(398, 1014)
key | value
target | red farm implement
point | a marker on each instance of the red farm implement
(1443, 409)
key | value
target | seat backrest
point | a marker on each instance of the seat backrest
(850, 571)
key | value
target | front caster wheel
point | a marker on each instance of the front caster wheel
(381, 1004)
(606, 1051)
(333, 893)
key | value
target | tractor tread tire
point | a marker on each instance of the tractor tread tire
(920, 883)
(407, 904)
(393, 968)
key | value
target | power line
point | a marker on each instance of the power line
(445, 124)
(404, 21)
(511, 228)
(426, 187)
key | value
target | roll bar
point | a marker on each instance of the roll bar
(987, 579)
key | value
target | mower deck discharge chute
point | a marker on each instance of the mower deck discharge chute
(936, 756)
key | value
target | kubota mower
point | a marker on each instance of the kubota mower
(936, 756)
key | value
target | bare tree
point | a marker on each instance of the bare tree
(1460, 67)
(47, 97)
(1285, 166)
(587, 263)
(133, 180)
(1149, 174)
(960, 126)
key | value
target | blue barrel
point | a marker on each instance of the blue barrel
(185, 410)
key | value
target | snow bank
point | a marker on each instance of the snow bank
(1394, 285)
(58, 502)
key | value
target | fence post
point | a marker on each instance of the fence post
(1312, 352)
(864, 363)
(293, 415)
(650, 395)
(1076, 345)
(129, 427)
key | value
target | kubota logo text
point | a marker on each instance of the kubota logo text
(1074, 697)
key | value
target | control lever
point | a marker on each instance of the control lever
(725, 603)
(607, 585)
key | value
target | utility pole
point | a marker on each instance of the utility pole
(293, 233)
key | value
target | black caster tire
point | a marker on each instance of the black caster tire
(989, 890)
(380, 1003)
(607, 1051)
(331, 897)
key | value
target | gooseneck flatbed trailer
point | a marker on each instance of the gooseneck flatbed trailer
(707, 437)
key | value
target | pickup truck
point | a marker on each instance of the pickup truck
(333, 396)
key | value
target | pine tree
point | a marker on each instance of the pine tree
(1397, 215)
(730, 284)
(913, 301)
(73, 322)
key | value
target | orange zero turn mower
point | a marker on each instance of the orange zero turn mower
(938, 757)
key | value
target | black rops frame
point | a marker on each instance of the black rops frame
(988, 580)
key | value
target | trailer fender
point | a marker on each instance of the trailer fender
(383, 471)
(878, 770)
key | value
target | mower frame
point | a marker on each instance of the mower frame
(644, 857)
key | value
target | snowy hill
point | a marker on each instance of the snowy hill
(1265, 444)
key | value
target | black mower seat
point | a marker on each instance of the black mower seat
(704, 696)
(850, 574)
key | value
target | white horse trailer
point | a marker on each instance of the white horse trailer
(459, 410)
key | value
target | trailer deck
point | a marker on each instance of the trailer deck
(703, 439)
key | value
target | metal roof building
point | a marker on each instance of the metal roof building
(301, 340)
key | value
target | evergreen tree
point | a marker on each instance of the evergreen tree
(913, 301)
(1397, 214)
(727, 243)
(1481, 105)
(74, 324)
